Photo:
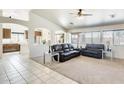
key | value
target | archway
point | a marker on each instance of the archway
(18, 37)
(41, 40)
(60, 37)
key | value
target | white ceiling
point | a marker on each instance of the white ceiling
(63, 17)
(22, 14)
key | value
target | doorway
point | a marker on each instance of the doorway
(14, 39)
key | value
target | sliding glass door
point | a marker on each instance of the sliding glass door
(119, 37)
(107, 37)
(75, 39)
(96, 37)
(88, 38)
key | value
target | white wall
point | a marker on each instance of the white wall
(117, 50)
(39, 22)
(1, 38)
(15, 27)
(15, 21)
(8, 20)
(100, 28)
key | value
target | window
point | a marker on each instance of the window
(74, 38)
(111, 37)
(37, 37)
(96, 37)
(59, 38)
(88, 38)
(107, 37)
(119, 37)
(18, 37)
(82, 38)
(15, 37)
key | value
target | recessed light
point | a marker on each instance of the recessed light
(71, 23)
(10, 16)
(81, 17)
(112, 15)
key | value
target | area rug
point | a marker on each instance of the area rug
(86, 70)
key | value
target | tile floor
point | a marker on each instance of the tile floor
(18, 69)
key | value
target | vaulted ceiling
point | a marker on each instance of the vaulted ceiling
(66, 20)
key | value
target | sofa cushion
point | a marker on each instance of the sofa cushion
(91, 51)
(66, 50)
(71, 48)
(66, 53)
(74, 51)
(69, 53)
(95, 46)
(57, 47)
(65, 47)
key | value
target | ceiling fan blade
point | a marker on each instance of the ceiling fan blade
(72, 13)
(87, 14)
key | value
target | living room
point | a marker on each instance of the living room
(61, 46)
(97, 28)
(71, 41)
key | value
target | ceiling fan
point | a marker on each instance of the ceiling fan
(80, 12)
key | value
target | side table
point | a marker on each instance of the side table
(107, 52)
(51, 56)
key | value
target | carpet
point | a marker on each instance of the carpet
(86, 70)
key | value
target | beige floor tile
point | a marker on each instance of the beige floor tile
(4, 82)
(12, 73)
(28, 79)
(67, 81)
(58, 77)
(22, 81)
(3, 77)
(52, 81)
(21, 70)
(13, 76)
(17, 79)
(37, 81)
(45, 78)
(41, 74)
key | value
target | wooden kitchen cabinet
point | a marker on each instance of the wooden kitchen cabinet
(6, 33)
(11, 48)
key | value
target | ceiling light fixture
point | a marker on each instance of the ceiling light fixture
(71, 23)
(80, 17)
(112, 15)
(10, 17)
